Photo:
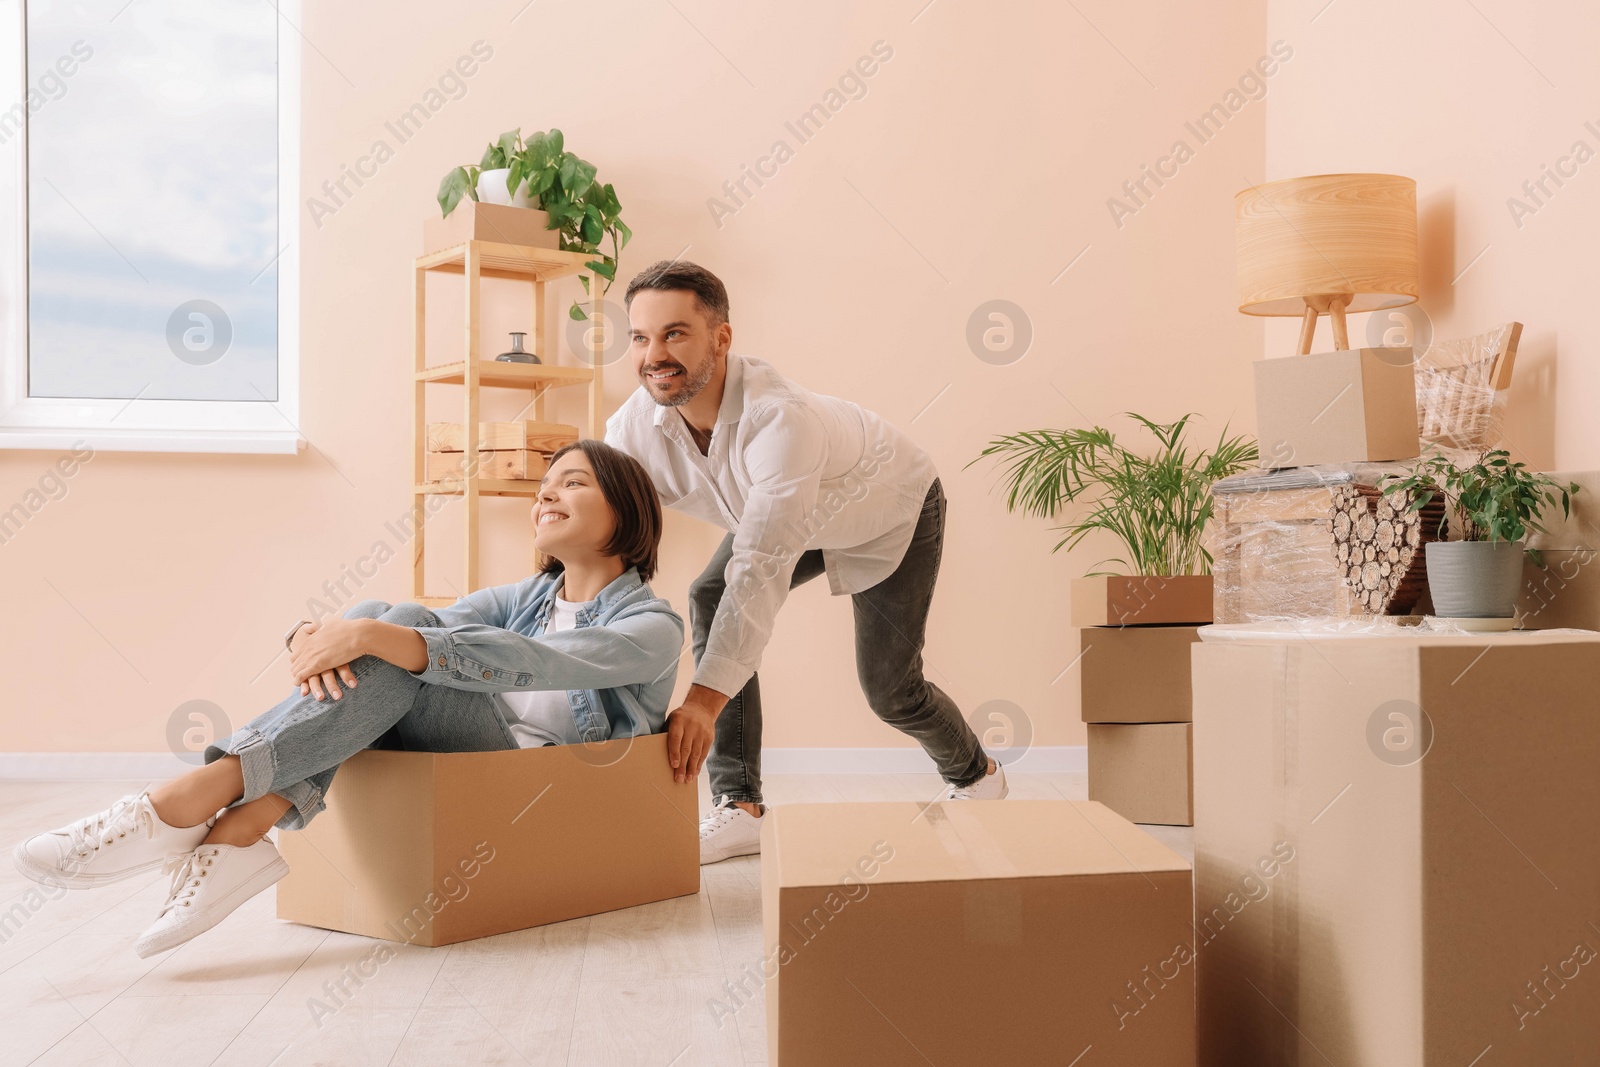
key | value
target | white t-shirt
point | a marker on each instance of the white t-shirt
(544, 716)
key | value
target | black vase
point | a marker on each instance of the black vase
(517, 354)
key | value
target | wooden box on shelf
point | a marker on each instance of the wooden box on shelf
(539, 436)
(475, 221)
(518, 464)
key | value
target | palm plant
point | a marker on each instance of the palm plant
(1157, 505)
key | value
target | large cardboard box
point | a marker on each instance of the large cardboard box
(1337, 407)
(1141, 600)
(1135, 673)
(975, 932)
(1143, 771)
(434, 848)
(1428, 806)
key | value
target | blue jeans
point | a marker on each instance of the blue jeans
(295, 748)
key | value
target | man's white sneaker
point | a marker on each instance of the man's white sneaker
(727, 832)
(991, 786)
(126, 839)
(207, 885)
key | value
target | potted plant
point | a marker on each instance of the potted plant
(1494, 503)
(540, 174)
(1157, 505)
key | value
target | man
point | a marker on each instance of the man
(806, 484)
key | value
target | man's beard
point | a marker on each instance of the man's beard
(693, 382)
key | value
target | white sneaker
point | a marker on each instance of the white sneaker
(126, 839)
(207, 885)
(991, 786)
(727, 832)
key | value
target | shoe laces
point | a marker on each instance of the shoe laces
(187, 869)
(720, 817)
(127, 815)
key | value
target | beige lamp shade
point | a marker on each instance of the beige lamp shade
(1332, 243)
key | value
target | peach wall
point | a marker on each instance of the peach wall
(978, 166)
(1471, 100)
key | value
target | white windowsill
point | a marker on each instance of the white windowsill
(261, 442)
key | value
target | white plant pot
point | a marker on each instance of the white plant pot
(492, 189)
(1474, 579)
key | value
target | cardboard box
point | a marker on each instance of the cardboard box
(475, 221)
(518, 464)
(1358, 405)
(978, 932)
(1143, 771)
(539, 436)
(1135, 673)
(1141, 600)
(1565, 592)
(434, 848)
(1427, 810)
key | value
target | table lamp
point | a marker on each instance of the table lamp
(1326, 244)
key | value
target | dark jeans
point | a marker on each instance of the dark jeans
(891, 621)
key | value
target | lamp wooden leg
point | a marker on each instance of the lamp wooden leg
(1308, 329)
(1336, 306)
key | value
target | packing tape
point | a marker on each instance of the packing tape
(966, 841)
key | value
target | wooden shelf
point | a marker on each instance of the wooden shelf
(472, 261)
(435, 601)
(492, 372)
(507, 261)
(486, 487)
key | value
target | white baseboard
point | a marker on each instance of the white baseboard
(158, 766)
(1051, 759)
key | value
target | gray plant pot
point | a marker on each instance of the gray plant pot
(1474, 579)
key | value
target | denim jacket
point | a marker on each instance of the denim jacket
(618, 664)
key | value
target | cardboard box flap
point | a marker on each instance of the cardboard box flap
(967, 840)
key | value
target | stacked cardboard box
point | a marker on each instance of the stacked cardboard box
(988, 932)
(1394, 852)
(1135, 635)
(508, 451)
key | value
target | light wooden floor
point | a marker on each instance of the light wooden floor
(630, 987)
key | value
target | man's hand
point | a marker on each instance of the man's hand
(320, 655)
(690, 729)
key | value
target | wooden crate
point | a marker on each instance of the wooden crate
(538, 436)
(516, 464)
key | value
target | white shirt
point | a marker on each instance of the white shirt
(787, 470)
(539, 717)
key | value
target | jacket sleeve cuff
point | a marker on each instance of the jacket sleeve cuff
(441, 658)
(726, 676)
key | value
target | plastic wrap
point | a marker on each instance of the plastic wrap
(1271, 542)
(1459, 408)
(1362, 626)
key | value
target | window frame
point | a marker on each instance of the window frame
(222, 426)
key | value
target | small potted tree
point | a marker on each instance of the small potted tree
(538, 175)
(1156, 505)
(1492, 504)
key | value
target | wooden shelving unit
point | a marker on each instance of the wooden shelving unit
(474, 261)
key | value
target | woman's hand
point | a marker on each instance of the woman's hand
(321, 654)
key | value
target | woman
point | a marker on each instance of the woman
(581, 651)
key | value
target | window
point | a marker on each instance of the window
(148, 188)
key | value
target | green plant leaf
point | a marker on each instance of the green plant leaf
(555, 142)
(455, 185)
(576, 313)
(605, 268)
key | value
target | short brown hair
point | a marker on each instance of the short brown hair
(627, 487)
(683, 276)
